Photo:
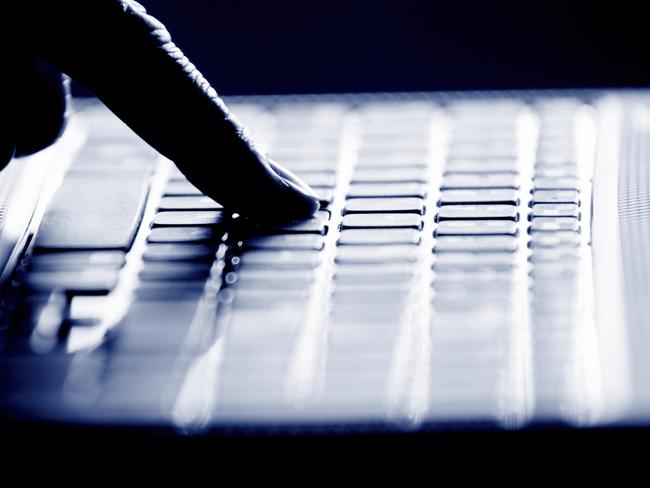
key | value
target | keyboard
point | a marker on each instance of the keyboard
(446, 277)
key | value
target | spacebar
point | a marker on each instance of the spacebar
(88, 212)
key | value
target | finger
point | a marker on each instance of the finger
(7, 151)
(127, 58)
(32, 100)
(40, 103)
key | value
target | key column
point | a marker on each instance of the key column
(377, 253)
(272, 274)
(476, 261)
(556, 244)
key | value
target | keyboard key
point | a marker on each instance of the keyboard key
(397, 160)
(480, 277)
(476, 227)
(255, 277)
(563, 269)
(301, 163)
(413, 152)
(77, 260)
(384, 205)
(550, 224)
(476, 212)
(377, 220)
(169, 290)
(188, 203)
(314, 225)
(479, 180)
(286, 241)
(482, 165)
(378, 236)
(188, 218)
(360, 273)
(376, 254)
(181, 188)
(369, 295)
(179, 252)
(556, 196)
(493, 196)
(155, 327)
(94, 213)
(555, 239)
(542, 183)
(556, 210)
(320, 179)
(387, 190)
(174, 271)
(473, 260)
(555, 172)
(476, 244)
(325, 196)
(553, 254)
(491, 150)
(416, 174)
(86, 282)
(296, 259)
(182, 234)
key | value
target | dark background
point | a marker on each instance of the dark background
(285, 46)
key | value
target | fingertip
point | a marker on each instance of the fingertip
(7, 151)
(300, 201)
(292, 179)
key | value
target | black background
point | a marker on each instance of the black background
(285, 46)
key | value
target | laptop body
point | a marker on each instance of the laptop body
(478, 263)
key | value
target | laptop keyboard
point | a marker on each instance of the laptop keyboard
(443, 277)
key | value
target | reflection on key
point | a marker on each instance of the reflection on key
(264, 278)
(476, 227)
(296, 259)
(475, 212)
(378, 236)
(544, 183)
(181, 234)
(384, 205)
(492, 196)
(355, 273)
(320, 179)
(369, 221)
(387, 190)
(188, 203)
(556, 210)
(472, 243)
(482, 165)
(556, 196)
(286, 241)
(188, 218)
(153, 271)
(415, 174)
(474, 260)
(479, 180)
(552, 224)
(179, 252)
(555, 239)
(376, 254)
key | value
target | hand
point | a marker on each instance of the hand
(127, 58)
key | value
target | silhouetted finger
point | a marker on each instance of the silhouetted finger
(127, 58)
(32, 100)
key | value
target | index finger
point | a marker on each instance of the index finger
(127, 58)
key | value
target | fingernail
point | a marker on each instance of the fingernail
(295, 182)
